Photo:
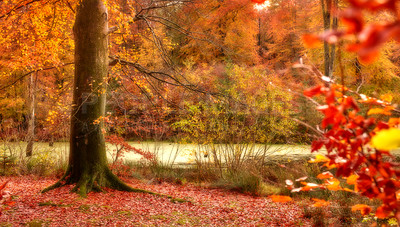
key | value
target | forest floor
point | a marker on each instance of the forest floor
(207, 207)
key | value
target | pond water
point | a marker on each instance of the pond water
(169, 153)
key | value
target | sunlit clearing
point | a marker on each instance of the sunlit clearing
(263, 6)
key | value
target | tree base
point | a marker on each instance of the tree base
(95, 182)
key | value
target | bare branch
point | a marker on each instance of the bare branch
(29, 73)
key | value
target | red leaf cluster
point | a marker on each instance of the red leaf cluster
(122, 146)
(5, 199)
(346, 138)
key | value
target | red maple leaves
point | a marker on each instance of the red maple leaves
(347, 135)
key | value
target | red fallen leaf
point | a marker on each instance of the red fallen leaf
(382, 212)
(4, 185)
(313, 91)
(280, 198)
(364, 209)
(9, 203)
(325, 175)
(311, 41)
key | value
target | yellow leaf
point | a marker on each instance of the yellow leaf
(319, 158)
(386, 111)
(352, 179)
(388, 139)
(387, 98)
(393, 122)
(348, 190)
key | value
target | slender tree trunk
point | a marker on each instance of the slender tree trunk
(330, 23)
(31, 121)
(357, 67)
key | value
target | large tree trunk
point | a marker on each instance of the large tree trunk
(88, 161)
(87, 167)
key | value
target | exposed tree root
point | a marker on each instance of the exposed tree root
(87, 183)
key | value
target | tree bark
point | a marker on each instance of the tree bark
(31, 119)
(88, 167)
(330, 23)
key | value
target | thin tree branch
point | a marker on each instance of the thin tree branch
(29, 73)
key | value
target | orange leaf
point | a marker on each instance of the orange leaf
(309, 186)
(333, 185)
(320, 203)
(325, 175)
(280, 198)
(311, 41)
(364, 209)
(382, 212)
(393, 122)
(368, 57)
(385, 111)
(352, 179)
(329, 166)
(347, 190)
